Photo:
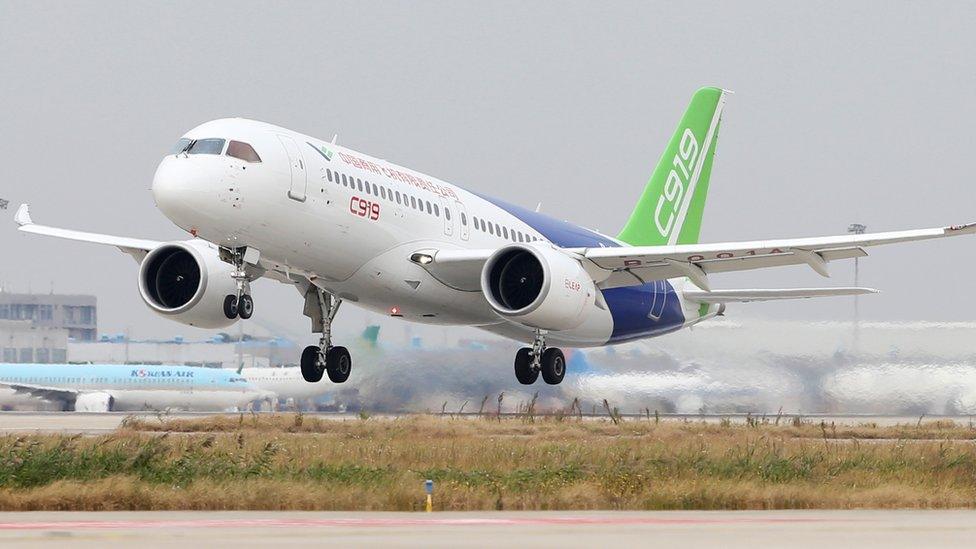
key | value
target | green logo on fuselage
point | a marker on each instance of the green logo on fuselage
(326, 153)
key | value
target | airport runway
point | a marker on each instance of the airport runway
(746, 529)
(98, 423)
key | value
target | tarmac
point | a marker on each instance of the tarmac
(732, 529)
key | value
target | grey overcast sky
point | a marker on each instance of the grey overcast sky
(843, 112)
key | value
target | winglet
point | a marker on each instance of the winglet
(22, 217)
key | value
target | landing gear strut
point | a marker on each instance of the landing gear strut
(531, 361)
(242, 304)
(324, 358)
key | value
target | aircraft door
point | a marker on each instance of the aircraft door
(462, 219)
(449, 217)
(296, 164)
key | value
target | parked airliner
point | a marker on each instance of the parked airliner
(340, 225)
(111, 387)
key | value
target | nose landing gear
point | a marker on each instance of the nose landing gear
(531, 361)
(324, 358)
(242, 304)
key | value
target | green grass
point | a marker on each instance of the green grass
(294, 462)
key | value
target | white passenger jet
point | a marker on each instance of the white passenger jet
(339, 225)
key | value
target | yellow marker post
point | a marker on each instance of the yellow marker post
(429, 487)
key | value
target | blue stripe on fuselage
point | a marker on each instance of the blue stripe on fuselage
(630, 307)
(560, 233)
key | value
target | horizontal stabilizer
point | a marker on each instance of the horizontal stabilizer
(744, 296)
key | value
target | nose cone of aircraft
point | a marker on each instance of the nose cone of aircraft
(181, 188)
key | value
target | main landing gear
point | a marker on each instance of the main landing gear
(324, 358)
(531, 361)
(242, 304)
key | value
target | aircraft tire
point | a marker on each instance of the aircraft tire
(524, 372)
(553, 366)
(311, 369)
(338, 364)
(245, 307)
(230, 306)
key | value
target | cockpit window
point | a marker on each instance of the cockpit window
(180, 145)
(206, 146)
(243, 151)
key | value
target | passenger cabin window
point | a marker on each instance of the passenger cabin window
(243, 151)
(206, 146)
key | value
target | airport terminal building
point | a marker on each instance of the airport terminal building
(22, 342)
(78, 314)
(37, 327)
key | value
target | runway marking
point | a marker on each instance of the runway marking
(401, 522)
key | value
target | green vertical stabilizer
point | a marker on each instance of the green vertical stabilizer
(670, 209)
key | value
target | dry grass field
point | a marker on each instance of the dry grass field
(297, 462)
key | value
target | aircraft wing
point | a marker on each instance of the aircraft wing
(627, 266)
(635, 265)
(135, 247)
(41, 391)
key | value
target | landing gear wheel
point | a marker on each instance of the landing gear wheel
(245, 306)
(524, 372)
(230, 306)
(311, 365)
(338, 364)
(324, 358)
(553, 366)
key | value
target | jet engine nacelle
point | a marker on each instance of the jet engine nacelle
(537, 286)
(94, 402)
(187, 282)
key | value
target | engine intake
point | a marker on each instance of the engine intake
(172, 277)
(537, 286)
(187, 282)
(517, 279)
